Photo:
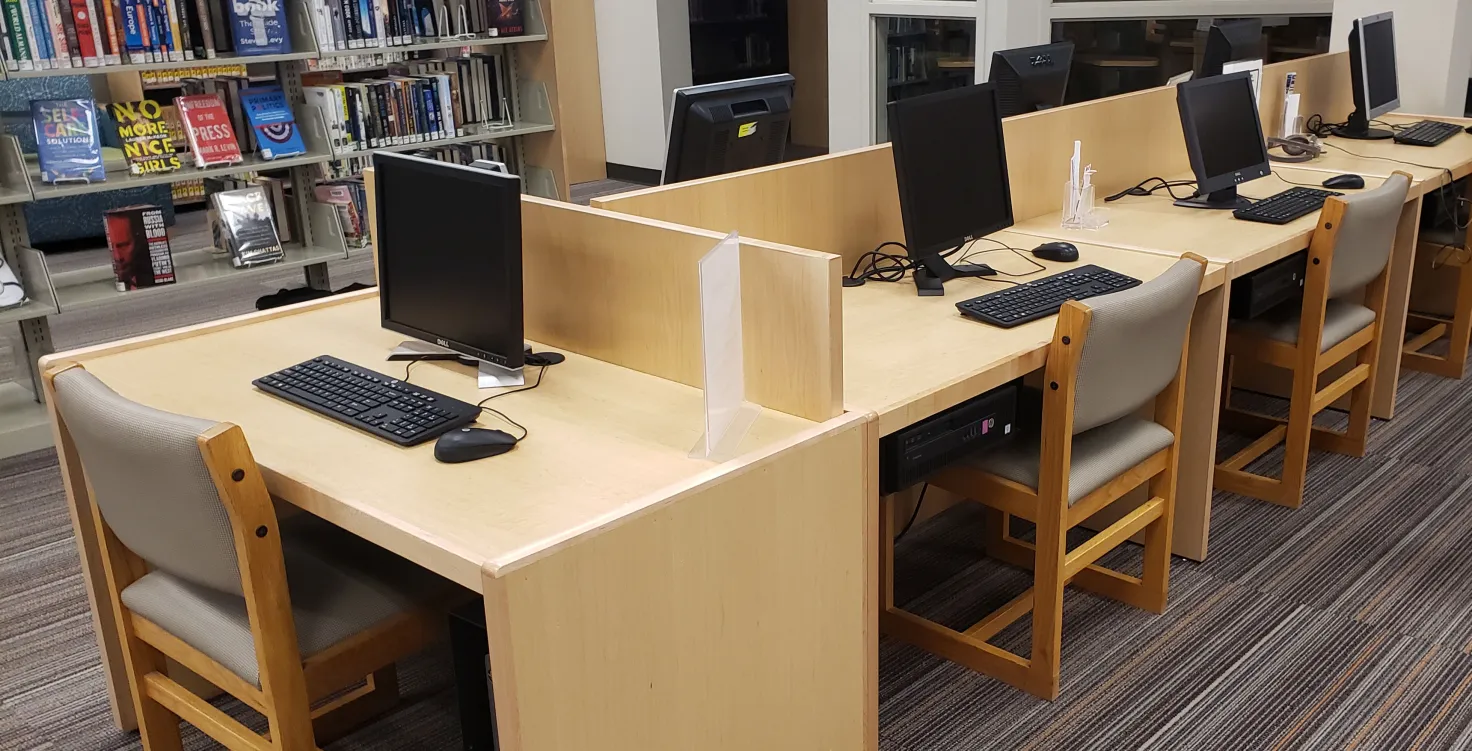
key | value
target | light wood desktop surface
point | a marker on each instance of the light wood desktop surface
(1427, 165)
(908, 357)
(596, 541)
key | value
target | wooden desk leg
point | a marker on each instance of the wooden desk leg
(1397, 302)
(79, 504)
(1207, 344)
(734, 614)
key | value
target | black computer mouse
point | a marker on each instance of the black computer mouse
(469, 444)
(1060, 252)
(1348, 182)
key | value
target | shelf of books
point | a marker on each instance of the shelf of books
(263, 113)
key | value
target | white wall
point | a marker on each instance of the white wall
(1433, 42)
(638, 68)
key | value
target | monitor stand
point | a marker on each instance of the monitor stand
(1359, 129)
(932, 271)
(1225, 199)
(490, 375)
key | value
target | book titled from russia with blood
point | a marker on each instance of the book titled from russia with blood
(207, 124)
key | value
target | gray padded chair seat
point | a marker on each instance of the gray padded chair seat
(340, 586)
(1099, 455)
(1341, 321)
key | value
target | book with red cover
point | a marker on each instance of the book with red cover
(207, 124)
(140, 247)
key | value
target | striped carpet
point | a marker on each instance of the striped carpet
(1344, 625)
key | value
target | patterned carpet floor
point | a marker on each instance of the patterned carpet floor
(1346, 624)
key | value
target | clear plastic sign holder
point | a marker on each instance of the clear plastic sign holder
(728, 416)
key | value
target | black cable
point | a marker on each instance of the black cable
(1141, 190)
(914, 514)
(1019, 253)
(1315, 124)
(408, 368)
(1449, 212)
(893, 272)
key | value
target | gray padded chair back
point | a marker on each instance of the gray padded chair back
(1133, 348)
(150, 482)
(1366, 234)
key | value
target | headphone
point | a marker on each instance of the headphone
(1296, 148)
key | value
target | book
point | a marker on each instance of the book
(507, 18)
(68, 146)
(247, 228)
(260, 27)
(349, 211)
(204, 46)
(207, 125)
(140, 247)
(15, 32)
(147, 143)
(87, 33)
(269, 115)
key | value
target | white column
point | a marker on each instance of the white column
(851, 76)
(643, 55)
(1433, 42)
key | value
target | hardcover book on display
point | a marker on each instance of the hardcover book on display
(246, 227)
(507, 18)
(147, 142)
(140, 247)
(67, 143)
(260, 27)
(269, 116)
(207, 124)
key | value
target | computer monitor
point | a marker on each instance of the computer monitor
(449, 256)
(728, 127)
(950, 163)
(1373, 76)
(1029, 79)
(1223, 138)
(1230, 41)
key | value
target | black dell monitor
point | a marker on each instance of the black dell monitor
(1373, 76)
(728, 127)
(449, 256)
(1223, 139)
(950, 164)
(1029, 79)
(1229, 42)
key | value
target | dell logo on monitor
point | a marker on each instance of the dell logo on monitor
(1040, 60)
(442, 342)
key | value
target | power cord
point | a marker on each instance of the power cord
(547, 361)
(914, 514)
(894, 271)
(1141, 189)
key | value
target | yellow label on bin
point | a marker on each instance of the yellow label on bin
(745, 130)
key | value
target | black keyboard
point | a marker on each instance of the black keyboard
(1286, 206)
(369, 401)
(1427, 133)
(1042, 298)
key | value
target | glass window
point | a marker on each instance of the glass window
(921, 56)
(1123, 55)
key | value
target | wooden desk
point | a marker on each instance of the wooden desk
(1375, 158)
(625, 604)
(1154, 224)
(908, 357)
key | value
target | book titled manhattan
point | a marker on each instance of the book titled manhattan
(207, 124)
(145, 134)
(260, 27)
(67, 143)
(140, 247)
(270, 117)
(246, 227)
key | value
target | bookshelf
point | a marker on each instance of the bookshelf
(532, 102)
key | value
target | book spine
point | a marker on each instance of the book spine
(350, 116)
(339, 27)
(182, 10)
(205, 45)
(60, 55)
(64, 16)
(146, 30)
(111, 20)
(29, 10)
(168, 23)
(223, 25)
(447, 107)
(322, 25)
(133, 32)
(94, 36)
(380, 21)
(15, 29)
(406, 21)
(7, 45)
(352, 24)
(161, 32)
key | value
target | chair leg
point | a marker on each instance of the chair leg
(1296, 441)
(158, 728)
(1047, 611)
(1155, 578)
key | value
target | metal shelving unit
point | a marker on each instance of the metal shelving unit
(24, 423)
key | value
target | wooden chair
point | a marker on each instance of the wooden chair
(1350, 250)
(1450, 319)
(199, 570)
(1110, 359)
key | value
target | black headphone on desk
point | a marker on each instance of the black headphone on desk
(1296, 148)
